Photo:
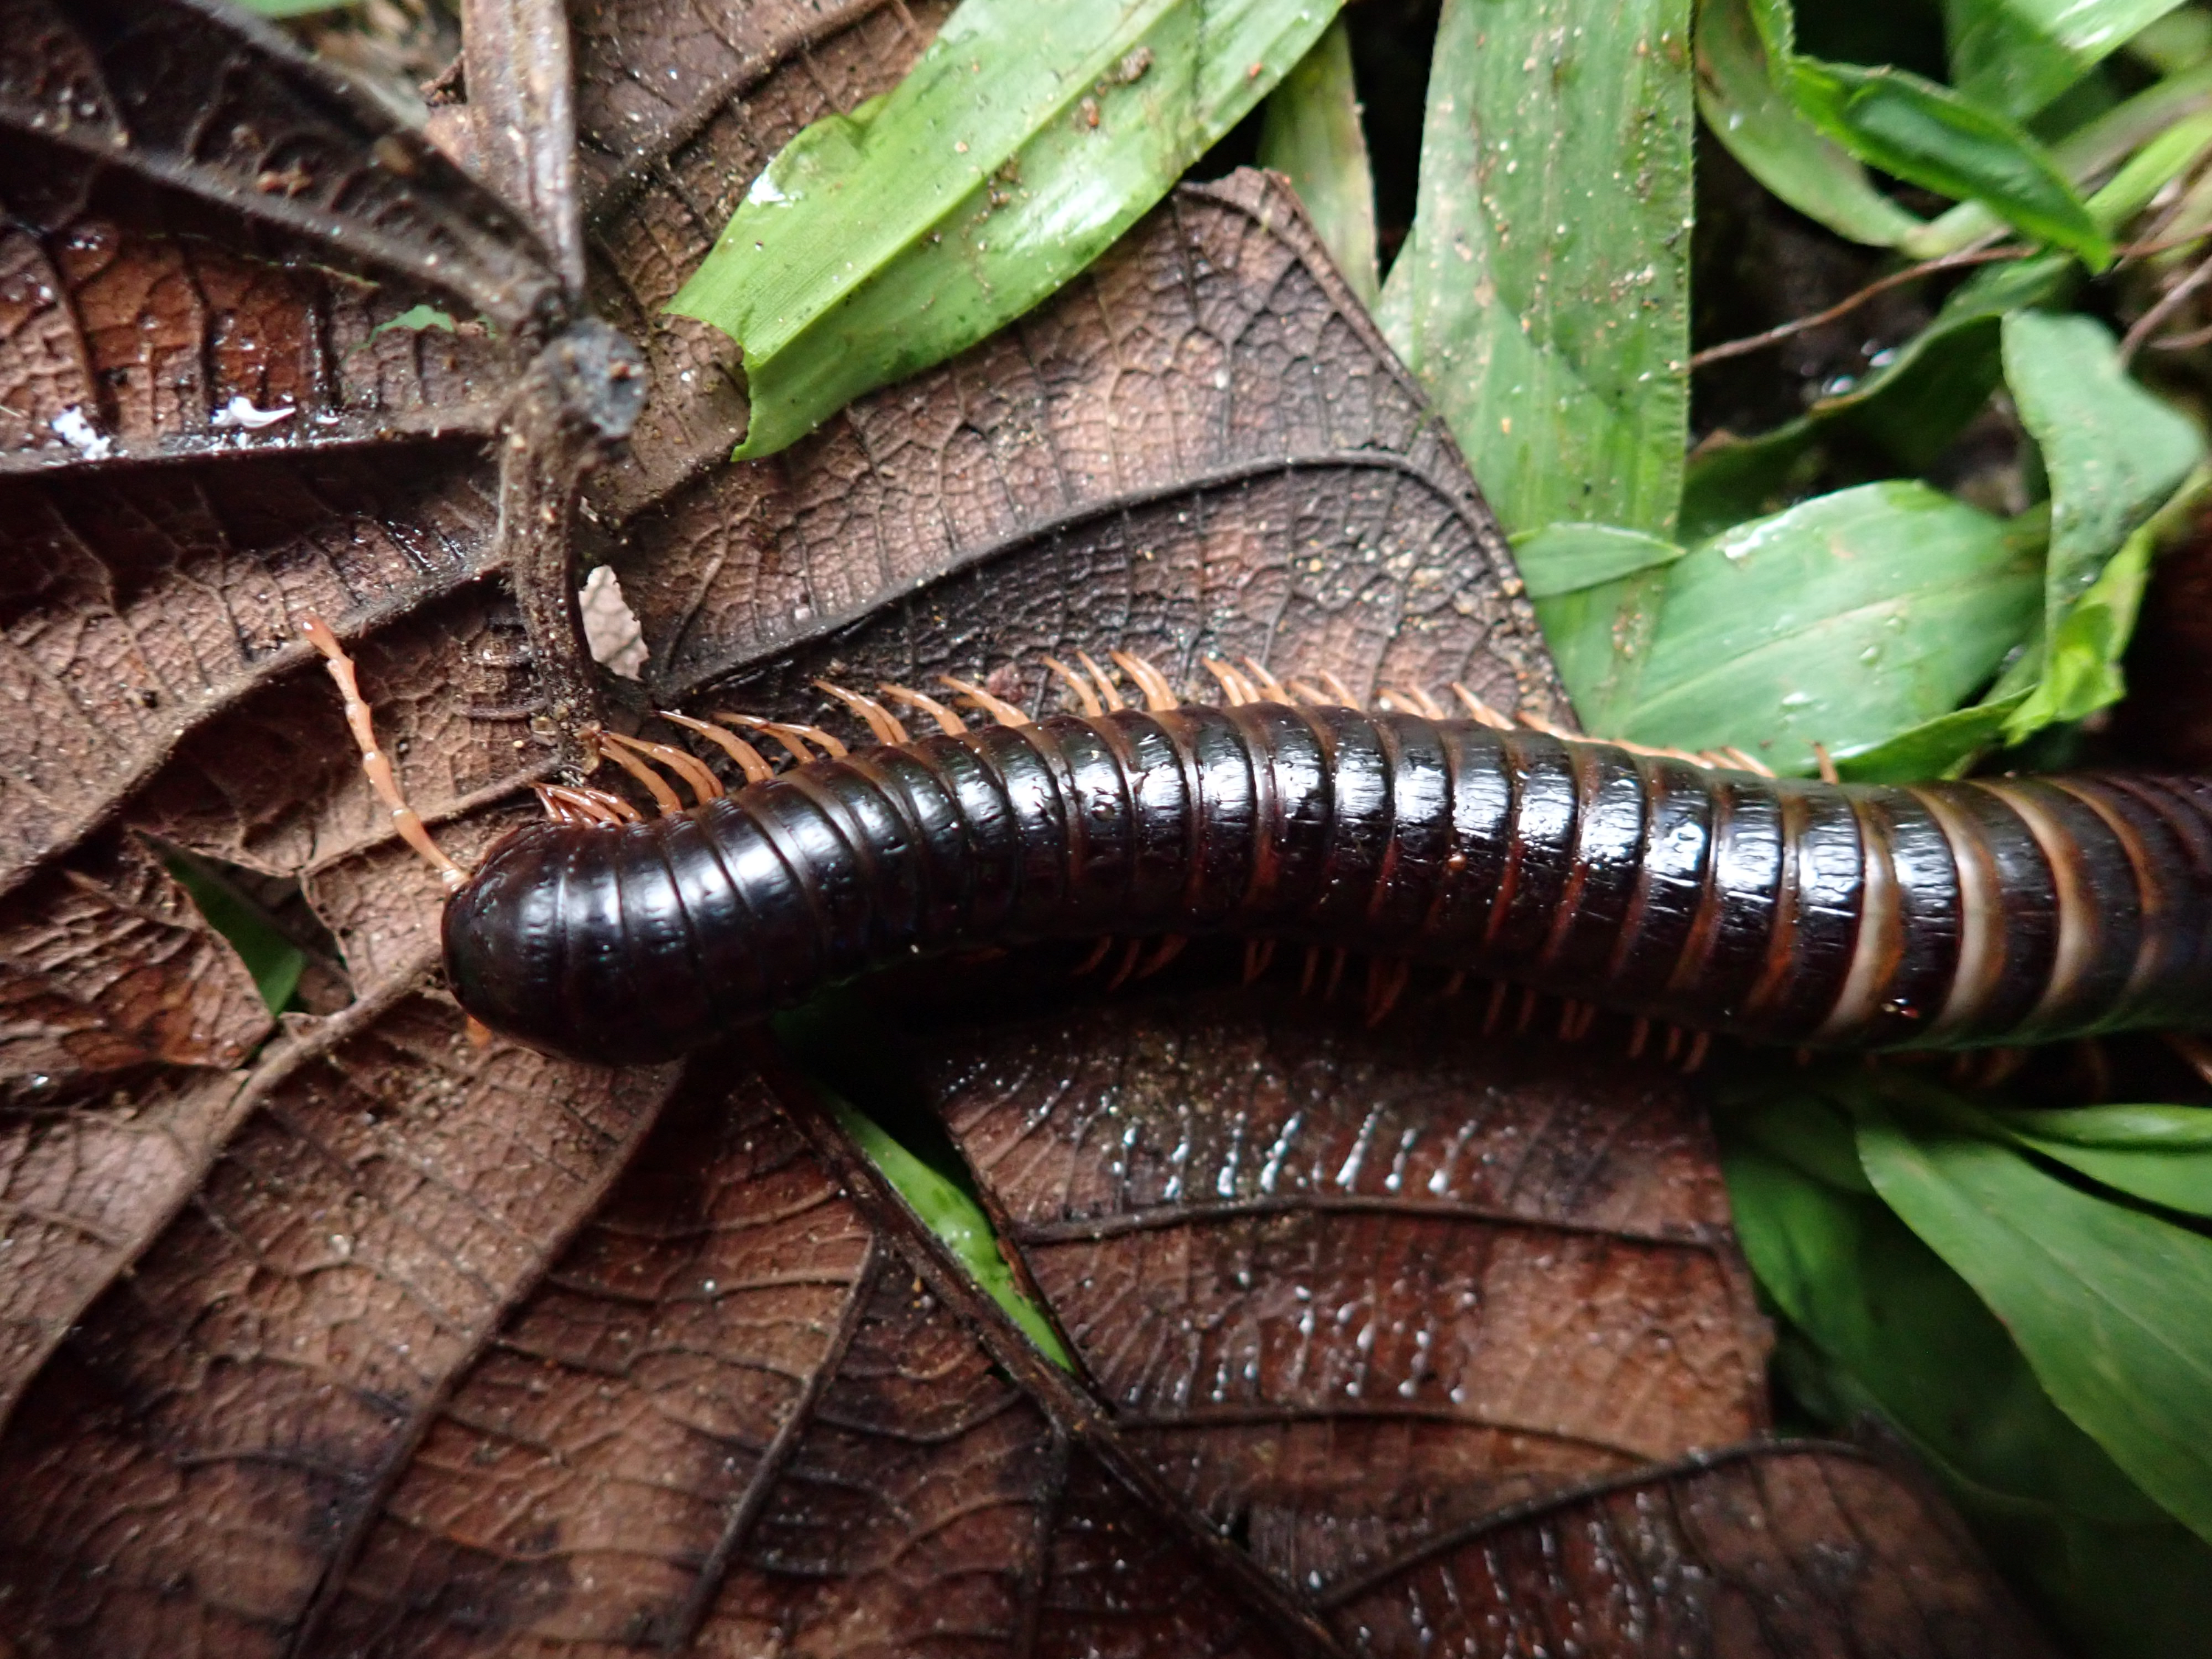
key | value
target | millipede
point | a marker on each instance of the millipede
(1693, 890)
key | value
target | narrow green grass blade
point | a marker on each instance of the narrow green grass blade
(1759, 125)
(2112, 1306)
(2162, 1154)
(2018, 55)
(1930, 136)
(1310, 133)
(1875, 1322)
(1024, 141)
(1543, 296)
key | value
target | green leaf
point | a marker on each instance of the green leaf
(1543, 296)
(274, 961)
(2112, 1307)
(1877, 1322)
(2178, 41)
(2153, 133)
(2113, 453)
(2162, 1154)
(2081, 662)
(1561, 558)
(1310, 133)
(956, 1219)
(1930, 136)
(1841, 621)
(2018, 55)
(1935, 748)
(1024, 141)
(417, 317)
(1759, 125)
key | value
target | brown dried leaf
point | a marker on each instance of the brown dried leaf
(1201, 448)
(373, 1341)
(106, 968)
(1353, 1289)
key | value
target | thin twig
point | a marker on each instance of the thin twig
(1959, 261)
(2189, 342)
(1774, 335)
(2156, 317)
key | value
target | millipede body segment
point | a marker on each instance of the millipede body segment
(2004, 910)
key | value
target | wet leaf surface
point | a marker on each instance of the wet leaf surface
(1352, 1289)
(348, 1336)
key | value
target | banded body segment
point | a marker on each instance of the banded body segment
(1781, 910)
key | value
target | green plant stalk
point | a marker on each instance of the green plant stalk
(1310, 134)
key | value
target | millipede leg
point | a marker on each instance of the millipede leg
(1479, 710)
(1234, 686)
(1413, 699)
(1086, 700)
(1336, 974)
(1098, 955)
(2196, 1053)
(947, 722)
(1386, 983)
(1128, 965)
(1258, 953)
(1699, 1045)
(750, 760)
(1306, 975)
(1170, 947)
(997, 707)
(1109, 692)
(883, 724)
(655, 785)
(1497, 1009)
(703, 785)
(567, 804)
(1159, 695)
(374, 761)
(1638, 1035)
(1264, 678)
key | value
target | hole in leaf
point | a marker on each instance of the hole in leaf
(418, 317)
(610, 628)
(883, 1109)
(266, 919)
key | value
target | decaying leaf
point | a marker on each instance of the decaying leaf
(350, 1336)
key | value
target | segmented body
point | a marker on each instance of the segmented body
(1798, 912)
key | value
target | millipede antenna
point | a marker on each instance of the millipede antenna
(373, 760)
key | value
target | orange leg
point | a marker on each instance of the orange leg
(373, 760)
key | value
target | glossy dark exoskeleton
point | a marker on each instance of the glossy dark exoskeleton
(1798, 912)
